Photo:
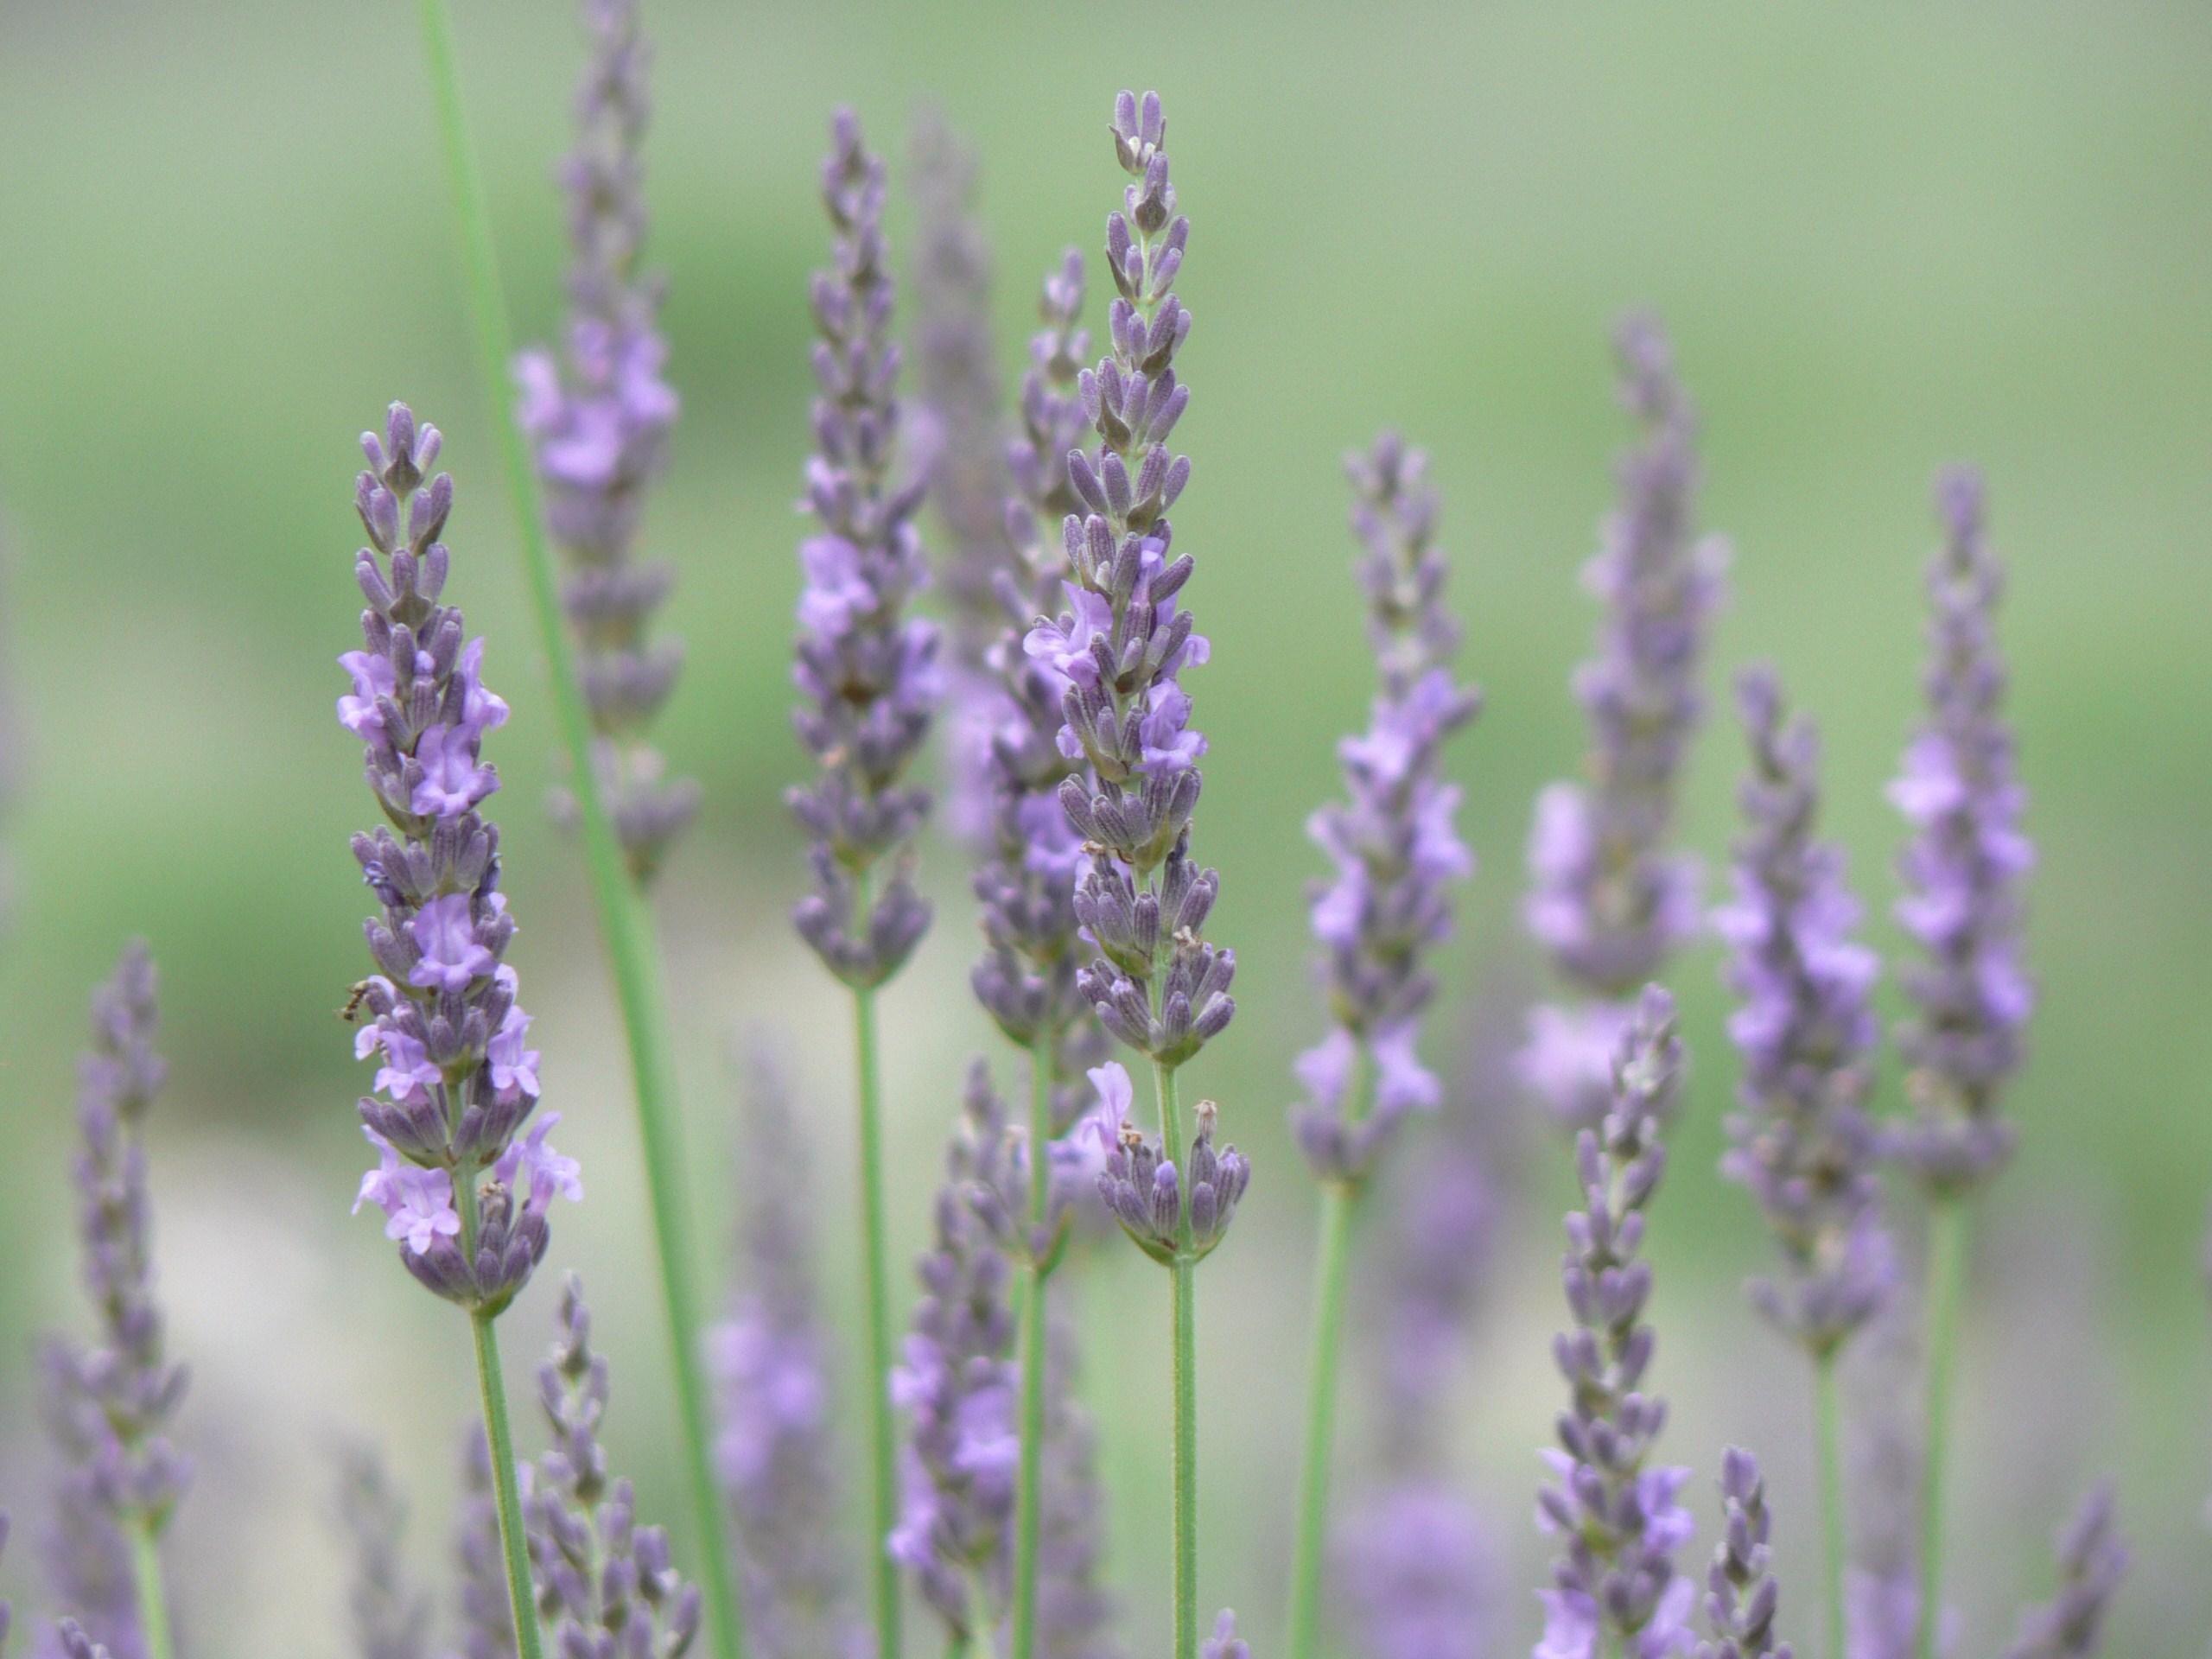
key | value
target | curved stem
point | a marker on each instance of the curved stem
(883, 1445)
(522, 1601)
(1946, 1256)
(153, 1602)
(1330, 1273)
(625, 923)
(1828, 1403)
(1029, 1491)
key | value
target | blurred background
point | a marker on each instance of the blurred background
(1883, 237)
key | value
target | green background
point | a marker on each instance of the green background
(1883, 237)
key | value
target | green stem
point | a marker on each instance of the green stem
(626, 923)
(1028, 1492)
(153, 1602)
(1183, 1274)
(883, 1445)
(522, 1603)
(1827, 1394)
(1947, 1259)
(1331, 1273)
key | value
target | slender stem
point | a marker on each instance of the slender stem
(522, 1603)
(1184, 1273)
(1331, 1272)
(153, 1603)
(1829, 1401)
(1946, 1258)
(883, 1445)
(1028, 1493)
(626, 923)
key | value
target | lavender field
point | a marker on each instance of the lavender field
(1528, 680)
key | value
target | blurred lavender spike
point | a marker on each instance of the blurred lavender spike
(867, 671)
(108, 1401)
(604, 1584)
(487, 1623)
(1609, 899)
(455, 1084)
(598, 415)
(1620, 1522)
(1741, 1594)
(1225, 1643)
(390, 1616)
(958, 436)
(1963, 867)
(957, 1386)
(7, 1612)
(2093, 1558)
(778, 1454)
(1416, 1569)
(1801, 1140)
(1075, 1613)
(1392, 840)
(74, 1643)
(1027, 978)
(1882, 1380)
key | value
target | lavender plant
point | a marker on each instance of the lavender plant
(597, 416)
(390, 1616)
(869, 681)
(1802, 1141)
(1962, 868)
(777, 1453)
(1741, 1593)
(464, 1177)
(2092, 1562)
(108, 1401)
(1618, 1519)
(606, 1586)
(625, 921)
(1609, 900)
(1414, 1565)
(484, 1605)
(1396, 853)
(1156, 984)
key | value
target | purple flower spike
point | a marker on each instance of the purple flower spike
(2092, 1560)
(777, 1453)
(1225, 1643)
(604, 1584)
(958, 1387)
(1741, 1595)
(1619, 1521)
(454, 1086)
(390, 1616)
(108, 1402)
(867, 672)
(1801, 1140)
(1963, 867)
(1143, 1188)
(1027, 979)
(1392, 840)
(1415, 1568)
(1119, 646)
(1608, 900)
(598, 415)
(486, 1620)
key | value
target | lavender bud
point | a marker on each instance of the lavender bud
(2092, 1560)
(390, 1616)
(1740, 1590)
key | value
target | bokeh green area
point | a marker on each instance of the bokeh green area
(1883, 237)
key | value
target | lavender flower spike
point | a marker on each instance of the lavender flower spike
(390, 1616)
(1620, 1522)
(1960, 791)
(1225, 1643)
(1741, 1593)
(1075, 1613)
(75, 1642)
(597, 417)
(1392, 840)
(109, 1402)
(957, 1386)
(2092, 1562)
(456, 1084)
(1414, 1565)
(1608, 900)
(1801, 1140)
(7, 1612)
(867, 672)
(606, 1586)
(487, 1629)
(777, 1453)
